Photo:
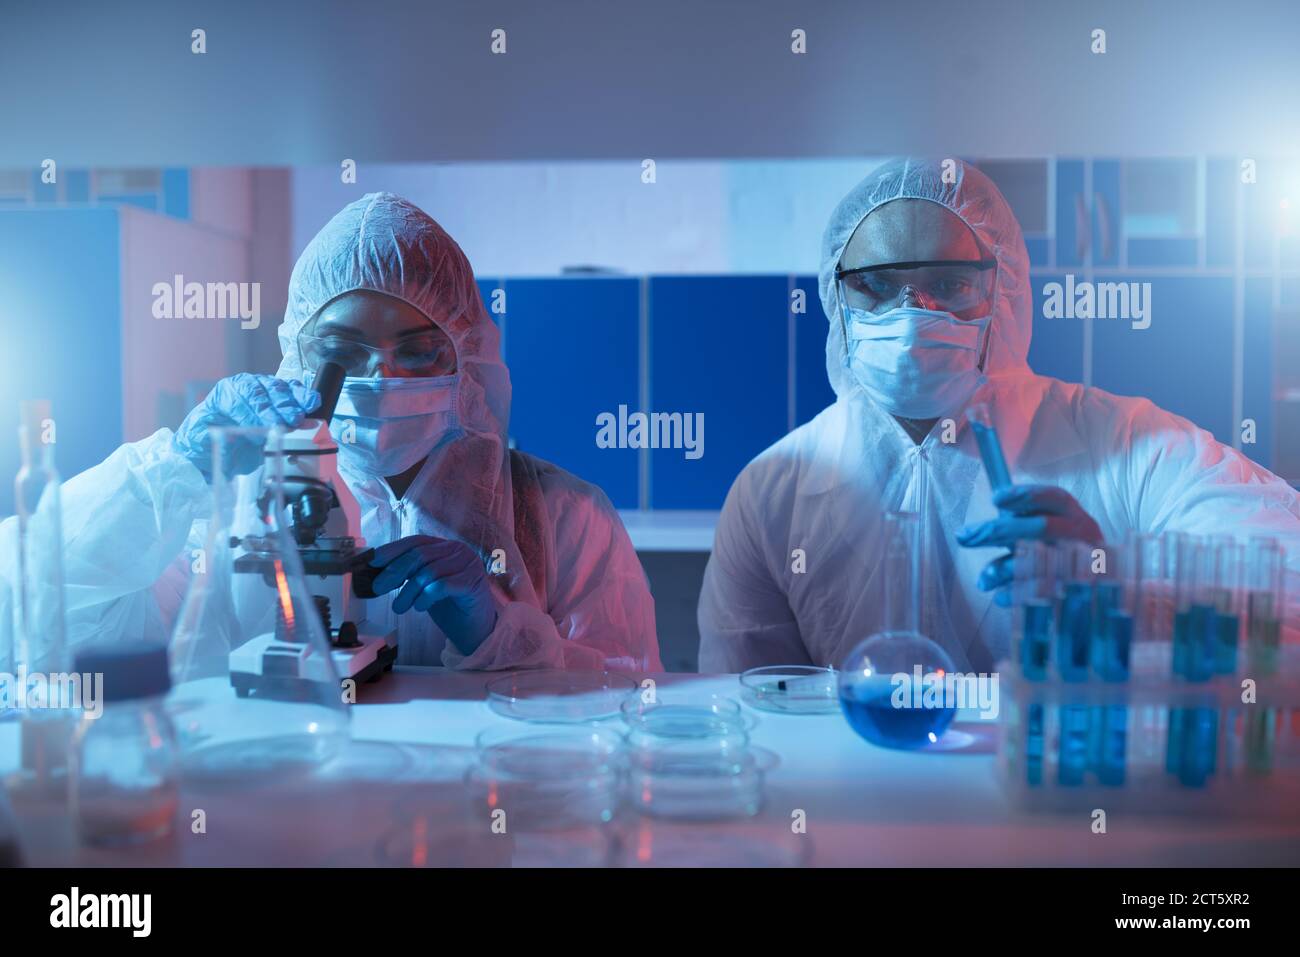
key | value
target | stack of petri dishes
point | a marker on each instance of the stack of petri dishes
(688, 757)
(546, 777)
(547, 791)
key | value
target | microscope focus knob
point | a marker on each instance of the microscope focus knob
(347, 637)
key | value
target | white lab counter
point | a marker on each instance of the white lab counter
(664, 530)
(399, 795)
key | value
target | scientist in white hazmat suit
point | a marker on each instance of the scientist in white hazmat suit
(926, 287)
(384, 290)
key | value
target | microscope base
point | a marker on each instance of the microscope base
(274, 669)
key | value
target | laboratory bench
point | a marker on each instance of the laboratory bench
(398, 795)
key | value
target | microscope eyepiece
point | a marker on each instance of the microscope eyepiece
(329, 383)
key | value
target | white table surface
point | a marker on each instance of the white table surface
(864, 806)
(670, 530)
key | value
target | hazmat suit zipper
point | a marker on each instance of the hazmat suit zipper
(398, 511)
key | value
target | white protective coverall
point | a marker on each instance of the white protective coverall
(573, 593)
(825, 488)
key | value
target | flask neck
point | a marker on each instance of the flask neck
(34, 453)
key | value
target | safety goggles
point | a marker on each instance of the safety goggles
(421, 354)
(962, 287)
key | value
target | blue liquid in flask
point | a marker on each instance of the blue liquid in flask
(873, 715)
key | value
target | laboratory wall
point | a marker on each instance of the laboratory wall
(81, 316)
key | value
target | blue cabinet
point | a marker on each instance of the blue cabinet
(1183, 361)
(1257, 371)
(572, 349)
(1056, 345)
(718, 346)
(1106, 212)
(1222, 177)
(1071, 216)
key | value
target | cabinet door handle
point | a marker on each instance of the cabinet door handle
(1103, 224)
(1082, 235)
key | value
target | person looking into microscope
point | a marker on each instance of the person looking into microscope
(384, 291)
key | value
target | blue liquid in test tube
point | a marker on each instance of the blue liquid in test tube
(1111, 662)
(1073, 765)
(1034, 745)
(1225, 660)
(1114, 632)
(1074, 632)
(1036, 639)
(1114, 745)
(1199, 744)
(1073, 650)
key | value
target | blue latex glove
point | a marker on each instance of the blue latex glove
(445, 578)
(248, 401)
(1043, 513)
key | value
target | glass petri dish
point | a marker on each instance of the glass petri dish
(723, 753)
(706, 777)
(547, 753)
(553, 696)
(546, 778)
(416, 846)
(791, 689)
(674, 713)
(751, 843)
(697, 797)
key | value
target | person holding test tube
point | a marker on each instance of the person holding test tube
(925, 282)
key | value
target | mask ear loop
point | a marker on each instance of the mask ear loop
(987, 335)
(844, 323)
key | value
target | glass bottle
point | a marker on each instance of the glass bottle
(124, 764)
(37, 629)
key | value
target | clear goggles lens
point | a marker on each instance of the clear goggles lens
(963, 288)
(426, 355)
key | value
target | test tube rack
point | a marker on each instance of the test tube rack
(1154, 743)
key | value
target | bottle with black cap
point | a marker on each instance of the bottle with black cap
(124, 767)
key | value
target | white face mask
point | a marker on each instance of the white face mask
(384, 426)
(916, 363)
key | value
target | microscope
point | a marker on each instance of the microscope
(324, 521)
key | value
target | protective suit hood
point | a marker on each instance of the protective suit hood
(383, 243)
(973, 198)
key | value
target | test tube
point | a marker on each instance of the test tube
(1033, 598)
(1074, 616)
(1229, 601)
(1073, 654)
(1194, 609)
(1034, 745)
(1033, 594)
(1193, 732)
(1152, 629)
(1114, 598)
(986, 437)
(1265, 599)
(1153, 610)
(1181, 551)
